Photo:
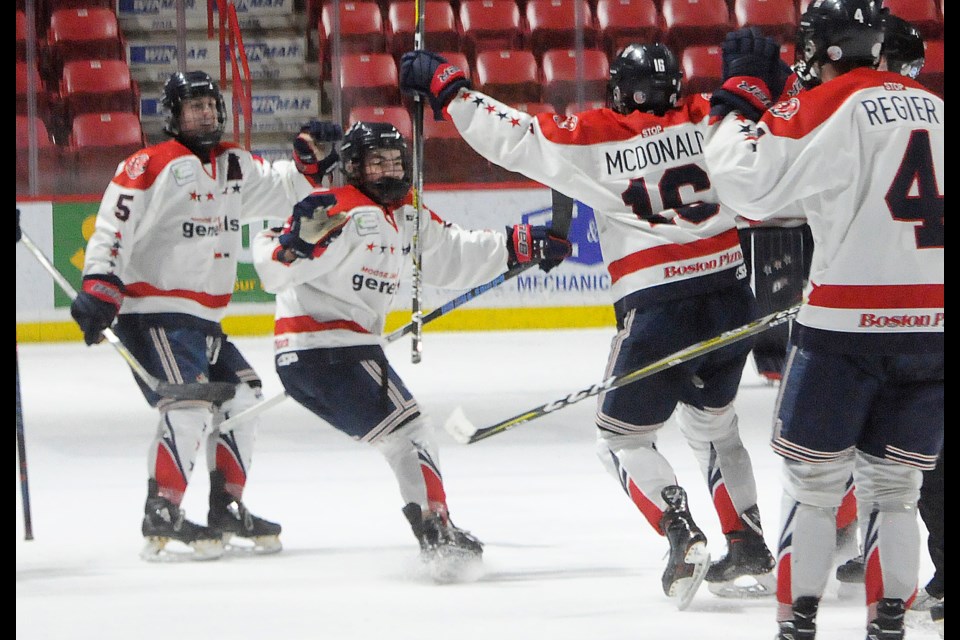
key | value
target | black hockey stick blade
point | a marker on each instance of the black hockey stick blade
(463, 431)
(207, 391)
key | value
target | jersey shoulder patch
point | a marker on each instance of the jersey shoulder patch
(141, 169)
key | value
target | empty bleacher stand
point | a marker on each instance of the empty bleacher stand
(490, 25)
(623, 22)
(360, 30)
(447, 157)
(369, 79)
(508, 75)
(564, 83)
(440, 29)
(98, 143)
(702, 68)
(89, 33)
(775, 18)
(50, 162)
(552, 24)
(94, 86)
(692, 22)
(43, 95)
(923, 14)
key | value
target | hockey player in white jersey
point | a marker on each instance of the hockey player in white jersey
(336, 268)
(678, 277)
(861, 156)
(162, 261)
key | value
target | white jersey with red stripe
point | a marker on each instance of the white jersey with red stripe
(861, 156)
(663, 232)
(169, 226)
(341, 296)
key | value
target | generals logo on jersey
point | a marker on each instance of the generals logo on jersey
(566, 122)
(786, 109)
(136, 166)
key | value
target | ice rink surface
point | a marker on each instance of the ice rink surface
(567, 557)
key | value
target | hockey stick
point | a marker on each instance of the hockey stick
(22, 456)
(208, 391)
(464, 431)
(562, 216)
(396, 334)
(416, 279)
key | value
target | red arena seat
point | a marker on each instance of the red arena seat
(702, 68)
(99, 142)
(623, 22)
(508, 75)
(922, 14)
(552, 24)
(561, 84)
(439, 26)
(691, 22)
(361, 30)
(89, 33)
(93, 86)
(490, 25)
(775, 18)
(369, 79)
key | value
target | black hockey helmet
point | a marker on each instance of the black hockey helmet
(845, 33)
(361, 139)
(644, 77)
(182, 86)
(902, 46)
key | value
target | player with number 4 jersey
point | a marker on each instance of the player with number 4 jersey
(861, 157)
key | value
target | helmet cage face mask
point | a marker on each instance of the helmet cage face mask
(644, 77)
(360, 141)
(181, 87)
(844, 32)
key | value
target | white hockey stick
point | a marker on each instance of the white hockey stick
(460, 427)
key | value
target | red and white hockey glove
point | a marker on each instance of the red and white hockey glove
(527, 243)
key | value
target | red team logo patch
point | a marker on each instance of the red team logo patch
(566, 122)
(786, 109)
(136, 166)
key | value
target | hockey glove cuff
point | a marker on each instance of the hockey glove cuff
(430, 75)
(750, 96)
(96, 306)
